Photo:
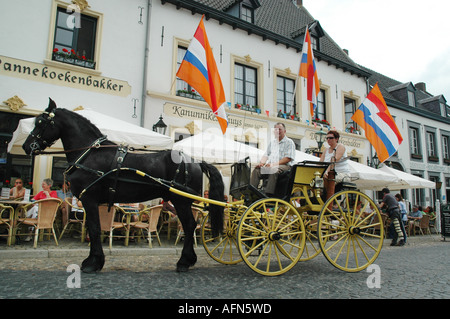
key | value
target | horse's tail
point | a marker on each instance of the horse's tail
(216, 192)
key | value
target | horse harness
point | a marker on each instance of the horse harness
(116, 165)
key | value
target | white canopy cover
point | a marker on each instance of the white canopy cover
(116, 130)
(214, 148)
(406, 180)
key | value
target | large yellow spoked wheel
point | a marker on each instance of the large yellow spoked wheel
(223, 248)
(271, 236)
(350, 231)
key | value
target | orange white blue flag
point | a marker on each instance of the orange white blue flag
(308, 70)
(378, 124)
(199, 70)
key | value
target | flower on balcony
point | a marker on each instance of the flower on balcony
(320, 121)
(351, 129)
(288, 115)
(248, 107)
(71, 57)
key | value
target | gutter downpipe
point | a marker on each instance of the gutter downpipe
(146, 53)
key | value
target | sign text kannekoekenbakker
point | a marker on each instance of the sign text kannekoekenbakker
(53, 75)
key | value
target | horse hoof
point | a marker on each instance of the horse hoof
(181, 268)
(90, 270)
(93, 264)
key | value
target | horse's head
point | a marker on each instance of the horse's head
(45, 132)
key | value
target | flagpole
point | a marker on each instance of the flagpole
(173, 83)
(295, 89)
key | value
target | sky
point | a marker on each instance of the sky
(406, 40)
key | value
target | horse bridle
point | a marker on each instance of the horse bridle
(37, 132)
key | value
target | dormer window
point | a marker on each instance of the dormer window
(244, 9)
(411, 99)
(316, 32)
(247, 14)
(315, 42)
(443, 109)
(405, 93)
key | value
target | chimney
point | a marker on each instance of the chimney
(345, 51)
(421, 86)
(298, 3)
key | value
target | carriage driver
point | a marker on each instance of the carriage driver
(278, 158)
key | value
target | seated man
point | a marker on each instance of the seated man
(278, 158)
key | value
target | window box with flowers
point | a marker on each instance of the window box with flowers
(320, 121)
(70, 57)
(288, 116)
(352, 130)
(190, 94)
(247, 107)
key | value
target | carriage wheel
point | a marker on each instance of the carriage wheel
(223, 248)
(312, 245)
(350, 231)
(271, 236)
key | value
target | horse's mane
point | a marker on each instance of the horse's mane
(80, 118)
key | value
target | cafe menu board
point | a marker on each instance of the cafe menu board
(445, 220)
(5, 193)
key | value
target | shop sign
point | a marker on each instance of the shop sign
(203, 114)
(57, 76)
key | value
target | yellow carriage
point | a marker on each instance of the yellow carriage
(272, 234)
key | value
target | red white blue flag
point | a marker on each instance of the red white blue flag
(378, 124)
(308, 70)
(199, 70)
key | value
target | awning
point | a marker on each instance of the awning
(214, 148)
(406, 180)
(116, 130)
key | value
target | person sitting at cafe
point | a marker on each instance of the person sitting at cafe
(415, 216)
(77, 209)
(46, 192)
(18, 191)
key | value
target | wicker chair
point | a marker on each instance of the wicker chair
(198, 215)
(75, 220)
(148, 220)
(7, 219)
(108, 223)
(47, 209)
(423, 224)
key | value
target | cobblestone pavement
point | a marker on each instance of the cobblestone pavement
(417, 270)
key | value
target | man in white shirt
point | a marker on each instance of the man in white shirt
(278, 158)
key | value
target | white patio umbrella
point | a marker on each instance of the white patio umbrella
(406, 180)
(365, 177)
(116, 130)
(214, 148)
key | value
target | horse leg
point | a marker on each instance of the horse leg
(96, 258)
(188, 257)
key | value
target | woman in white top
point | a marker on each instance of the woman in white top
(336, 153)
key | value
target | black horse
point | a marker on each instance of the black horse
(100, 173)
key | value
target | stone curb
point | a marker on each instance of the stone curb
(84, 252)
